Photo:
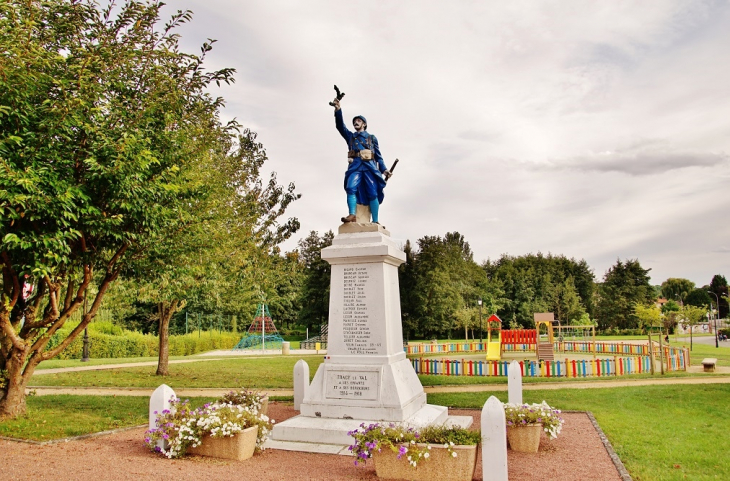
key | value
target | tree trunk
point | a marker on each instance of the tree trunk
(12, 395)
(165, 314)
(12, 400)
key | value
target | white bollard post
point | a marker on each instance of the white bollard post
(301, 382)
(494, 441)
(159, 401)
(514, 383)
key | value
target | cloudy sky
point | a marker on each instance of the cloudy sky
(594, 129)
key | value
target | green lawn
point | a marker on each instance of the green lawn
(62, 416)
(660, 433)
(55, 417)
(61, 363)
(251, 372)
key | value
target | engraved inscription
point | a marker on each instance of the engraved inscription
(355, 317)
(352, 385)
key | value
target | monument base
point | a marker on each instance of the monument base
(366, 377)
(384, 388)
(329, 435)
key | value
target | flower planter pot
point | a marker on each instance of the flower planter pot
(525, 439)
(440, 465)
(239, 447)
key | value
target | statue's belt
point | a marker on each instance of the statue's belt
(364, 154)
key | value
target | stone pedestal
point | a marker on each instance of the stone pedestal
(365, 377)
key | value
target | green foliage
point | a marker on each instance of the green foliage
(446, 435)
(135, 344)
(649, 316)
(718, 287)
(440, 285)
(677, 289)
(315, 285)
(624, 285)
(538, 283)
(699, 297)
(670, 306)
(104, 125)
(692, 315)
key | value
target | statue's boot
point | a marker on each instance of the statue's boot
(349, 218)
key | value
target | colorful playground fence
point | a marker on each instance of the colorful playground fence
(577, 347)
(616, 366)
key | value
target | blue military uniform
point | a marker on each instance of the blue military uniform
(364, 180)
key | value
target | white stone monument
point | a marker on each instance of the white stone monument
(365, 376)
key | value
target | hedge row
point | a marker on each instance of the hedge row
(135, 344)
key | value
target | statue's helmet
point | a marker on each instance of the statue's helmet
(364, 120)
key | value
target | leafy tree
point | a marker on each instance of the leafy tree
(539, 283)
(649, 317)
(441, 279)
(408, 300)
(699, 297)
(670, 306)
(624, 285)
(692, 316)
(677, 289)
(226, 258)
(101, 118)
(315, 292)
(718, 286)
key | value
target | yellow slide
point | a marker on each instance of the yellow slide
(494, 351)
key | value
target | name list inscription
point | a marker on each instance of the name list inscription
(352, 385)
(355, 318)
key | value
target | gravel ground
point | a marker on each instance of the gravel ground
(577, 454)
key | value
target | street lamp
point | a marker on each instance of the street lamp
(481, 332)
(717, 344)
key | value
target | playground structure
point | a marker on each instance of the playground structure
(262, 332)
(547, 339)
(540, 340)
(494, 347)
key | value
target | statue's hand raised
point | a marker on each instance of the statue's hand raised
(335, 103)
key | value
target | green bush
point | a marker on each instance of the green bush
(135, 344)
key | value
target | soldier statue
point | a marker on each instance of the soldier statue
(366, 174)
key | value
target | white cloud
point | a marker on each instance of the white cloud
(594, 129)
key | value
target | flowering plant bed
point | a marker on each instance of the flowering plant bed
(252, 399)
(518, 415)
(182, 427)
(431, 452)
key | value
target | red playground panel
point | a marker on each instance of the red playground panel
(519, 336)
